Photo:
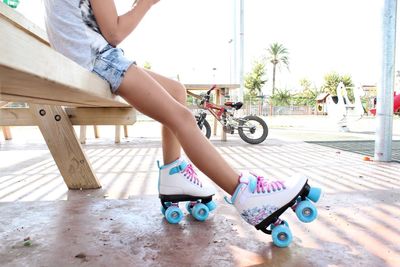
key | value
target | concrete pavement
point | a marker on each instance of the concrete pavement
(121, 224)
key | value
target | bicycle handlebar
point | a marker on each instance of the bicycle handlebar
(206, 97)
(212, 88)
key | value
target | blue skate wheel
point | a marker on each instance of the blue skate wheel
(281, 236)
(163, 209)
(306, 211)
(173, 215)
(189, 207)
(314, 194)
(200, 212)
(211, 205)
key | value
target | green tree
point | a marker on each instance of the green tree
(306, 84)
(255, 80)
(281, 98)
(277, 54)
(333, 79)
(308, 96)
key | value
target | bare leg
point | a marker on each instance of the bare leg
(148, 96)
(170, 144)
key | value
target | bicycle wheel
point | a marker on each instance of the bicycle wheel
(253, 129)
(205, 127)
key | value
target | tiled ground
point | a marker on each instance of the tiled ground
(121, 224)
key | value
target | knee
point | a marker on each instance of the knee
(182, 115)
(180, 94)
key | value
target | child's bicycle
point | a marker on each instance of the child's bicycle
(252, 129)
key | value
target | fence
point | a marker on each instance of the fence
(265, 109)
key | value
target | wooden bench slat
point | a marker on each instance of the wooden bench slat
(77, 116)
(31, 69)
(24, 87)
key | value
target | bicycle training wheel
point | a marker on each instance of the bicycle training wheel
(253, 129)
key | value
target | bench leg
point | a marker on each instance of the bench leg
(126, 131)
(117, 134)
(82, 134)
(64, 146)
(219, 101)
(6, 129)
(96, 131)
(7, 133)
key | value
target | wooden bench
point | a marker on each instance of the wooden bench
(59, 93)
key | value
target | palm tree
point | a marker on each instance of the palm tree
(332, 81)
(277, 55)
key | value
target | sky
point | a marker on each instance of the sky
(192, 38)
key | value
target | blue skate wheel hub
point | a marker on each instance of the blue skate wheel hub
(281, 236)
(200, 212)
(173, 215)
(306, 211)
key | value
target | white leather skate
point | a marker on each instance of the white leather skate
(178, 182)
(260, 202)
(179, 178)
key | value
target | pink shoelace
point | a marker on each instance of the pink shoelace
(268, 186)
(191, 174)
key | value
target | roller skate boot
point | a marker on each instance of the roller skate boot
(261, 202)
(178, 182)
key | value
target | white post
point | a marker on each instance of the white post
(241, 73)
(384, 109)
(235, 41)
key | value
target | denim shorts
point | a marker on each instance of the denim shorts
(111, 65)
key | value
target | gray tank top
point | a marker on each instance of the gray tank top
(73, 31)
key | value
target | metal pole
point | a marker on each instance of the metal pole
(241, 73)
(384, 109)
(235, 41)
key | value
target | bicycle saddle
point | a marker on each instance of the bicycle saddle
(236, 105)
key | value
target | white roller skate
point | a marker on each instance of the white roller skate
(261, 201)
(179, 182)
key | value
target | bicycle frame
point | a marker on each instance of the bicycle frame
(220, 113)
(225, 114)
(216, 110)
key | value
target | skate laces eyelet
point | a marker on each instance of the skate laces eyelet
(191, 174)
(269, 186)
